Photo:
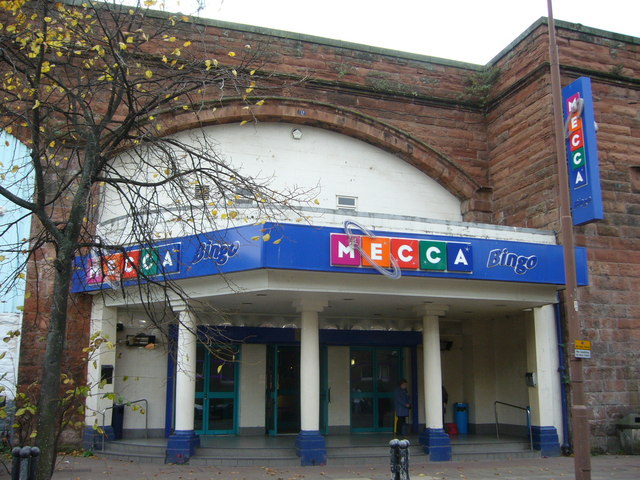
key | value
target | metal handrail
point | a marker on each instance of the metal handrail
(146, 417)
(527, 409)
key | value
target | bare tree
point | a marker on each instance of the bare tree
(91, 88)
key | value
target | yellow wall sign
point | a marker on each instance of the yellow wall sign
(582, 349)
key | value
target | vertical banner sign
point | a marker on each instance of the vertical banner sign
(582, 152)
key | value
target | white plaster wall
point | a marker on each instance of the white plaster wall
(338, 381)
(11, 349)
(511, 365)
(327, 164)
(452, 374)
(339, 165)
(141, 373)
(479, 370)
(252, 385)
(494, 361)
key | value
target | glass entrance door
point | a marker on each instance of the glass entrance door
(216, 390)
(375, 373)
(283, 389)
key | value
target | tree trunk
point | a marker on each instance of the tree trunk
(49, 400)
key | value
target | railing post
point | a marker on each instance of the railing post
(530, 428)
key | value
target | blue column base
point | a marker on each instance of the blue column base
(546, 440)
(311, 447)
(181, 446)
(437, 444)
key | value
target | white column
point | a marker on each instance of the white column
(185, 369)
(432, 366)
(309, 364)
(103, 323)
(543, 360)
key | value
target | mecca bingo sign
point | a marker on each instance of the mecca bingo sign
(582, 152)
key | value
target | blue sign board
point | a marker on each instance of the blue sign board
(325, 249)
(582, 152)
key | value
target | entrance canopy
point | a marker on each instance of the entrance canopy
(251, 270)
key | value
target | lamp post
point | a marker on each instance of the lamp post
(579, 419)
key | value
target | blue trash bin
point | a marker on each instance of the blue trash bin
(461, 417)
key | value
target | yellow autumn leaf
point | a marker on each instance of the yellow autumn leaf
(260, 102)
(2, 258)
(243, 122)
(148, 74)
(122, 45)
(233, 214)
(276, 242)
(256, 238)
(232, 54)
(266, 237)
(15, 169)
(186, 44)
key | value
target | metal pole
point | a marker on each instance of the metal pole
(579, 420)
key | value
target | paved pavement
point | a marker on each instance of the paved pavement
(603, 467)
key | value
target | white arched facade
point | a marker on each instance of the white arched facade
(477, 322)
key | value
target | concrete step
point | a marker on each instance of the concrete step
(284, 454)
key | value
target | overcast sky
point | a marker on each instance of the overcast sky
(466, 30)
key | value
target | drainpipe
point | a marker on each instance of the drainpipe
(562, 373)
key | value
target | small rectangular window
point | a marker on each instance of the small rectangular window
(344, 201)
(201, 192)
(244, 196)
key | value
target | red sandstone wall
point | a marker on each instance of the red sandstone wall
(505, 150)
(522, 172)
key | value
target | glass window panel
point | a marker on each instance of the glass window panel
(222, 375)
(388, 370)
(200, 354)
(221, 411)
(386, 412)
(361, 412)
(198, 414)
(361, 371)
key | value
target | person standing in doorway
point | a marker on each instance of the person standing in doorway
(402, 405)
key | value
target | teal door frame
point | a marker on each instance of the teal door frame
(376, 401)
(275, 394)
(216, 367)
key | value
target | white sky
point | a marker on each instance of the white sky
(466, 30)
